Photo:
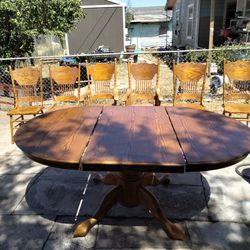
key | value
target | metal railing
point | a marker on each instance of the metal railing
(215, 57)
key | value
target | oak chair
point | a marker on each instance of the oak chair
(28, 94)
(65, 86)
(236, 95)
(143, 79)
(189, 84)
(102, 82)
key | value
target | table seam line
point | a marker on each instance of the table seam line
(183, 154)
(87, 144)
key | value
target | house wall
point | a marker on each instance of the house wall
(180, 30)
(204, 23)
(169, 38)
(101, 26)
(147, 35)
(201, 21)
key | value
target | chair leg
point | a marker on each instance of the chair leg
(128, 101)
(22, 120)
(11, 129)
(157, 101)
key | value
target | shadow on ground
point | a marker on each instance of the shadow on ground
(59, 192)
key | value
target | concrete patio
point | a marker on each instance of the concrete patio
(39, 204)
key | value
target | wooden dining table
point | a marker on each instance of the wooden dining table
(133, 143)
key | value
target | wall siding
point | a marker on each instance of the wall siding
(101, 26)
(181, 40)
(147, 35)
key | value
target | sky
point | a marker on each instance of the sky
(142, 3)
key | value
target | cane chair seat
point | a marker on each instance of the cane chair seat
(143, 83)
(65, 86)
(189, 84)
(236, 90)
(28, 94)
(102, 82)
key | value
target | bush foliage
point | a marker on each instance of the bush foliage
(22, 20)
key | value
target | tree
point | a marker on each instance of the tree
(23, 20)
(128, 15)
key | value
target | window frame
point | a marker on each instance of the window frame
(190, 6)
(177, 17)
(246, 11)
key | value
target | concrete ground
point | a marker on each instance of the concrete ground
(39, 208)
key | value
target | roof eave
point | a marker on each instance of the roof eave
(170, 4)
(148, 21)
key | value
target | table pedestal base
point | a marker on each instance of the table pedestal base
(148, 179)
(130, 192)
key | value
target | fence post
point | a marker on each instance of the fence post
(178, 56)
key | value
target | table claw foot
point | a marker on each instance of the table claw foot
(83, 227)
(108, 202)
(108, 179)
(174, 231)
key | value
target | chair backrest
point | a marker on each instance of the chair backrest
(27, 85)
(189, 81)
(102, 77)
(64, 80)
(237, 74)
(143, 77)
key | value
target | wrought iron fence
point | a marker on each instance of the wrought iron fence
(214, 81)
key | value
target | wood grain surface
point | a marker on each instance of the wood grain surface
(135, 137)
(58, 138)
(117, 138)
(209, 140)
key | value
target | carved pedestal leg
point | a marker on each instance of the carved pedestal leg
(174, 231)
(130, 192)
(147, 179)
(150, 179)
(108, 202)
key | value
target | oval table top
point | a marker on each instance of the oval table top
(117, 138)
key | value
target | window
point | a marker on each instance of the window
(177, 17)
(163, 29)
(177, 22)
(190, 20)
